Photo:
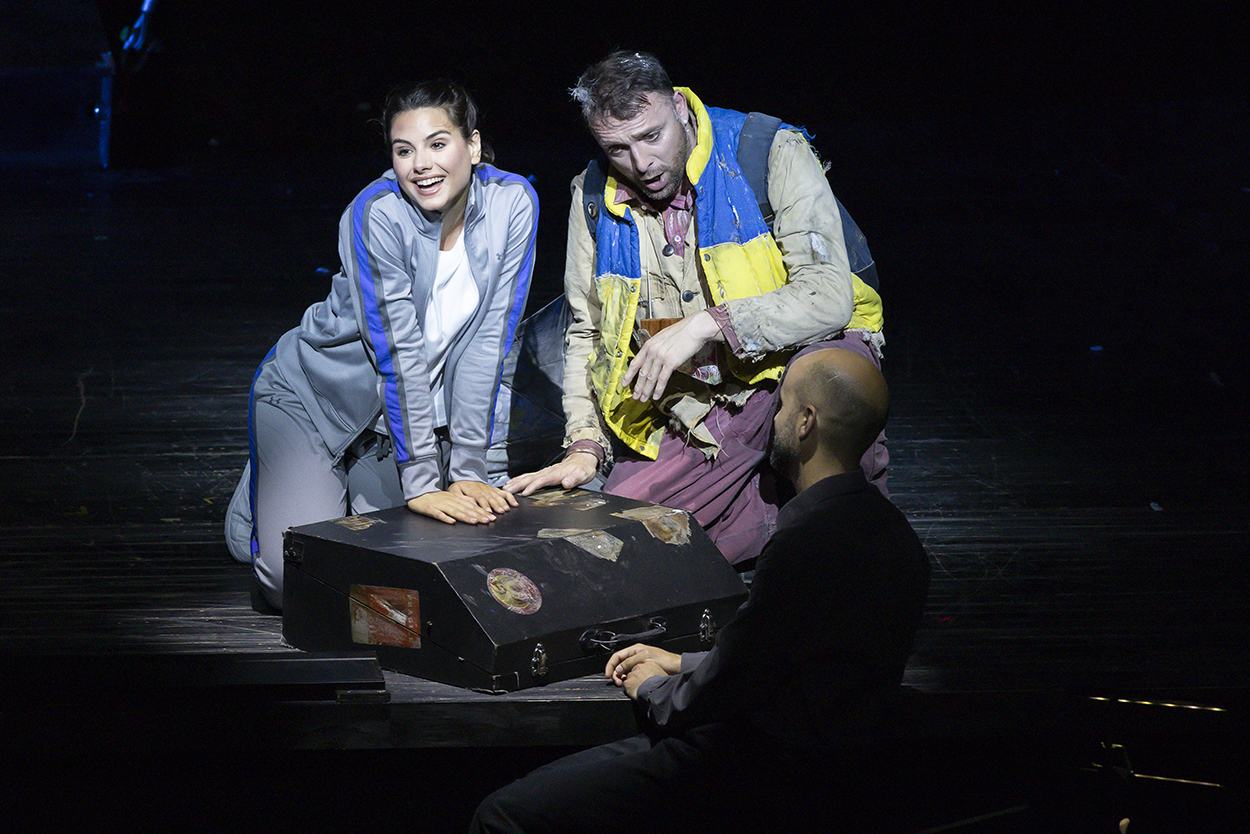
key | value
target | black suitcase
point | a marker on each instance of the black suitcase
(545, 593)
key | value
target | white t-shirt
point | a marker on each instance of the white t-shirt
(453, 301)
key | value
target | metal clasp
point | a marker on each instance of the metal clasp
(707, 628)
(538, 663)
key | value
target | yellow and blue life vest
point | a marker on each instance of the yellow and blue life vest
(737, 255)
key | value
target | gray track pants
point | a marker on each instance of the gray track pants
(298, 482)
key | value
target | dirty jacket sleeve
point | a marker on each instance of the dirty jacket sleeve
(819, 298)
(583, 420)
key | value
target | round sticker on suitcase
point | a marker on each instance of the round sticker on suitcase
(514, 591)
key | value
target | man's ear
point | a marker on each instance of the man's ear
(680, 106)
(807, 422)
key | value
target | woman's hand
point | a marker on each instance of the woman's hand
(484, 495)
(450, 507)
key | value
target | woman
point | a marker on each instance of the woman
(385, 392)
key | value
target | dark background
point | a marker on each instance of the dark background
(1058, 200)
(1073, 177)
(1103, 144)
(897, 95)
(255, 76)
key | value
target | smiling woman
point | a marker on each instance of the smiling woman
(384, 394)
(432, 133)
(433, 162)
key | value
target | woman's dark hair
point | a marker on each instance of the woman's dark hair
(442, 93)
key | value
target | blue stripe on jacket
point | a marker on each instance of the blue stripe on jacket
(373, 315)
(489, 172)
(251, 447)
(485, 174)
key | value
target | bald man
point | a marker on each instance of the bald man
(797, 681)
(835, 407)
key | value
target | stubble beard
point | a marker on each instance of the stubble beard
(783, 457)
(676, 173)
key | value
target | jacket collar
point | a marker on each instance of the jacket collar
(818, 493)
(704, 138)
(431, 225)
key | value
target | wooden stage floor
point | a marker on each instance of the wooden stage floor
(1075, 468)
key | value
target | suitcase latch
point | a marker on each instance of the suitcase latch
(707, 628)
(538, 663)
(293, 550)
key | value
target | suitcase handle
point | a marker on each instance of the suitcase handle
(600, 639)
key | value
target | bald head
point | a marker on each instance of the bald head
(833, 405)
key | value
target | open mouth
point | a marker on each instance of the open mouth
(654, 184)
(429, 185)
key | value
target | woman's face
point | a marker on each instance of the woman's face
(432, 160)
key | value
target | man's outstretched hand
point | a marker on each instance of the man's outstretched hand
(667, 351)
(575, 470)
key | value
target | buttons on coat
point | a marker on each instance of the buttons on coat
(668, 250)
(687, 296)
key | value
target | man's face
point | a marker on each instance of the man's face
(650, 150)
(783, 456)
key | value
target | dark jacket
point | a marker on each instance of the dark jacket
(814, 656)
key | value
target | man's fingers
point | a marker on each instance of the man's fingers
(649, 371)
(630, 373)
(661, 382)
(517, 483)
(639, 373)
(615, 660)
(529, 482)
(542, 480)
(569, 473)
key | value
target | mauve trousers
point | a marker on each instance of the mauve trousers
(734, 496)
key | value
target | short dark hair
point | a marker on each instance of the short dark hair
(449, 96)
(618, 85)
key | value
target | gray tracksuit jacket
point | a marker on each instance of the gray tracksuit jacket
(359, 355)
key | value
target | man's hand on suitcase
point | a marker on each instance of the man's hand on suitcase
(575, 470)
